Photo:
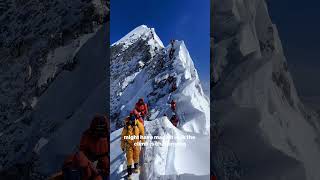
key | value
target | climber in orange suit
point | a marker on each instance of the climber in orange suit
(132, 128)
(95, 143)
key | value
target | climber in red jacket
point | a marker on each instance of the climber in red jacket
(173, 105)
(142, 108)
(174, 120)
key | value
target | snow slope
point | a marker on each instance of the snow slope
(252, 84)
(42, 44)
(189, 159)
(150, 73)
(73, 116)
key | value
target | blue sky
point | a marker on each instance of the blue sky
(187, 20)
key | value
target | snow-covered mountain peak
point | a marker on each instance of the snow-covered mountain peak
(159, 75)
(141, 67)
(140, 32)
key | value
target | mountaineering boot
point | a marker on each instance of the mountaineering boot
(136, 168)
(129, 170)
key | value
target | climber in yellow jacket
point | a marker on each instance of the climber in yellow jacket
(130, 139)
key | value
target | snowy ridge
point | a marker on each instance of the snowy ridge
(151, 74)
(190, 92)
(252, 83)
(140, 32)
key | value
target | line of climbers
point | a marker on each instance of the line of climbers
(91, 161)
(152, 33)
(174, 119)
(162, 62)
(171, 53)
(141, 112)
(172, 50)
(134, 127)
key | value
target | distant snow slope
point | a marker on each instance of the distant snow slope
(254, 94)
(85, 91)
(141, 67)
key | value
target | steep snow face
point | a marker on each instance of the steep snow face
(60, 123)
(193, 104)
(141, 67)
(251, 79)
(129, 56)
